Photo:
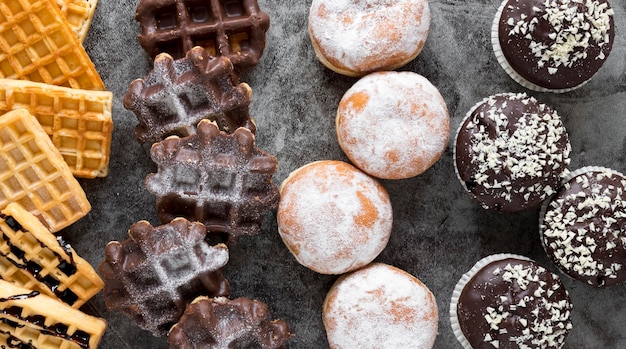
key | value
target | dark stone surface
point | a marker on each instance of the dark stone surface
(439, 231)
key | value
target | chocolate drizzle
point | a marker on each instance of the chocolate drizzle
(68, 267)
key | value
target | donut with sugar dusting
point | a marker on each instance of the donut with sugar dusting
(393, 125)
(380, 306)
(333, 217)
(356, 37)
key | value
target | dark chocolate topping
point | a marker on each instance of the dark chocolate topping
(221, 180)
(514, 303)
(155, 274)
(584, 227)
(177, 94)
(222, 323)
(512, 152)
(556, 44)
(232, 28)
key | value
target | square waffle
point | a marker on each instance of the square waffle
(29, 319)
(37, 44)
(232, 28)
(33, 258)
(33, 173)
(78, 14)
(79, 122)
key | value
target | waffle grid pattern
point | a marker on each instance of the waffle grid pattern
(232, 28)
(29, 258)
(37, 44)
(34, 175)
(78, 14)
(44, 322)
(79, 122)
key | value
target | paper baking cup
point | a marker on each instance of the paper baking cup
(456, 294)
(546, 203)
(495, 42)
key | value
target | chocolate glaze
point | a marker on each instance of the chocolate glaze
(235, 29)
(500, 303)
(512, 152)
(68, 267)
(155, 274)
(547, 69)
(584, 228)
(223, 181)
(224, 323)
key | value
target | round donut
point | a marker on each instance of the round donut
(393, 125)
(380, 306)
(333, 217)
(356, 37)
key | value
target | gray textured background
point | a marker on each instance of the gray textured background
(439, 232)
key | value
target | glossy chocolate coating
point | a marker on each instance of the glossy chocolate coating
(234, 28)
(517, 303)
(155, 274)
(177, 94)
(552, 48)
(584, 228)
(512, 152)
(223, 323)
(221, 180)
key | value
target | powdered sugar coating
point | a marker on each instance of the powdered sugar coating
(357, 37)
(380, 306)
(393, 125)
(332, 217)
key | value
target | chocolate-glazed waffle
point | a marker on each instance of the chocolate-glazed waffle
(177, 94)
(224, 323)
(79, 122)
(33, 258)
(34, 175)
(29, 319)
(78, 14)
(232, 28)
(37, 44)
(155, 274)
(222, 180)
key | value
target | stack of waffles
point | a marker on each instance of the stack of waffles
(213, 182)
(55, 125)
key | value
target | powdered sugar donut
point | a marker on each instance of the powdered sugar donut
(333, 217)
(380, 306)
(355, 37)
(393, 125)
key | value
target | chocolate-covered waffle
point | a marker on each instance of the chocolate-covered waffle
(32, 257)
(155, 274)
(222, 180)
(29, 319)
(234, 28)
(223, 323)
(177, 94)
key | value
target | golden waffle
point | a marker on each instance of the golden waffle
(78, 121)
(37, 44)
(78, 14)
(33, 173)
(32, 257)
(29, 319)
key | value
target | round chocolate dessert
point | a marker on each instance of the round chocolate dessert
(583, 227)
(553, 45)
(509, 301)
(511, 152)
